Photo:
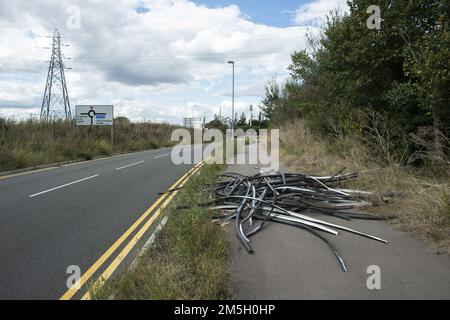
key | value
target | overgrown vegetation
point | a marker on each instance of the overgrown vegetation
(351, 75)
(31, 142)
(376, 100)
(188, 258)
(422, 205)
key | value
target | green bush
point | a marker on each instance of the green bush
(152, 145)
(23, 158)
(351, 72)
(85, 156)
(104, 148)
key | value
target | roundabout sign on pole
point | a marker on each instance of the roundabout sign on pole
(95, 115)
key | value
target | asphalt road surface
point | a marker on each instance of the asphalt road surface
(70, 215)
(290, 263)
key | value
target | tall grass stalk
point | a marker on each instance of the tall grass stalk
(33, 142)
(423, 207)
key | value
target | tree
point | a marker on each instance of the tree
(350, 71)
(220, 123)
(271, 100)
(242, 122)
(427, 60)
(280, 102)
(122, 121)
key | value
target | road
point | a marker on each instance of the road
(290, 263)
(70, 215)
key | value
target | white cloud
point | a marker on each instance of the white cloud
(315, 12)
(160, 64)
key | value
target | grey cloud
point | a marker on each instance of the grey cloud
(255, 89)
(5, 104)
(141, 77)
(21, 66)
(118, 53)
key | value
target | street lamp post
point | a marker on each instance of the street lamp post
(232, 101)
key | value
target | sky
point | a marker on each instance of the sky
(154, 60)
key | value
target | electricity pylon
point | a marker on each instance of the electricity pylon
(55, 103)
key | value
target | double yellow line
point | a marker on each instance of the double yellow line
(126, 250)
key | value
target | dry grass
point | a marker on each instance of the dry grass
(424, 206)
(32, 142)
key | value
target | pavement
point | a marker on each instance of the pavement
(70, 215)
(290, 263)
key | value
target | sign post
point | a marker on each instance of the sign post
(112, 135)
(95, 115)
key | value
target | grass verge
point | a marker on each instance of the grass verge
(32, 143)
(188, 258)
(424, 206)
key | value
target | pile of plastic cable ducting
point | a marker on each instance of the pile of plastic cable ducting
(288, 198)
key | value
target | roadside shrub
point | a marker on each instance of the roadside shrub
(85, 156)
(104, 148)
(152, 145)
(24, 158)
